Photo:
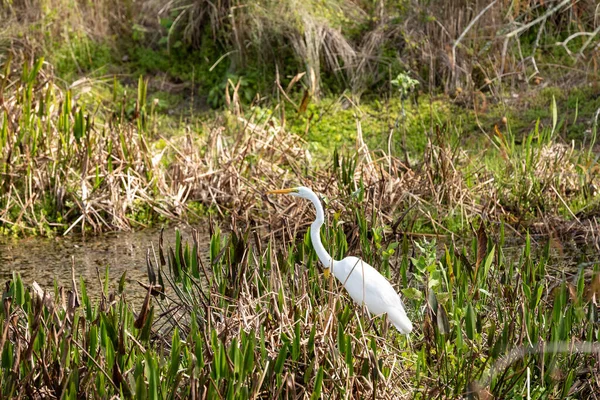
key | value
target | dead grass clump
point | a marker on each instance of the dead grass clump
(36, 28)
(556, 168)
(309, 32)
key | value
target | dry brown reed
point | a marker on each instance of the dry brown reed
(66, 166)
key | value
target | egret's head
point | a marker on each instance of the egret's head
(300, 191)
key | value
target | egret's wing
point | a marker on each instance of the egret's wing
(366, 285)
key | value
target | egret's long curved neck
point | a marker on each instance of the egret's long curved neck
(315, 232)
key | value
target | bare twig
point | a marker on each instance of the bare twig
(538, 19)
(462, 35)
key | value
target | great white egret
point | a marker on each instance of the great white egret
(365, 285)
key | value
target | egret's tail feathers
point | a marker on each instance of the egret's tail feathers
(400, 320)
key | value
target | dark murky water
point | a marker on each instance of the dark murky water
(48, 260)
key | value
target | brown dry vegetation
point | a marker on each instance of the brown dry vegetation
(66, 165)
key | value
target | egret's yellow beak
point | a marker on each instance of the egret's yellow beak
(327, 273)
(282, 191)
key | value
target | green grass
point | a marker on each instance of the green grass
(81, 56)
(251, 323)
(332, 123)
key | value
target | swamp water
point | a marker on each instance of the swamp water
(46, 260)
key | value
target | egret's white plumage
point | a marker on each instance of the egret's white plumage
(363, 282)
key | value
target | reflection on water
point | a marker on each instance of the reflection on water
(48, 260)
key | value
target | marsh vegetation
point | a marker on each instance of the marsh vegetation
(454, 146)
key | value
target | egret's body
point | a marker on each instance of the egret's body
(365, 285)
